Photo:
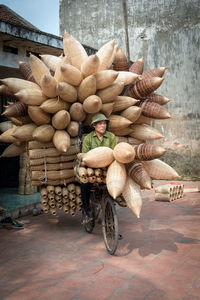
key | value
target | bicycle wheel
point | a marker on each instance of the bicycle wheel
(109, 225)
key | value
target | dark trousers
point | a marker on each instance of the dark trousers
(85, 195)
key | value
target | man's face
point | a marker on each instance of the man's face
(100, 127)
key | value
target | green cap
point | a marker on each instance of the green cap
(98, 117)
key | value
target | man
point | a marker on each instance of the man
(99, 137)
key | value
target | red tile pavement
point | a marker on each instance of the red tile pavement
(158, 257)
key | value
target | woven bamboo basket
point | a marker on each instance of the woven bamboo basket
(154, 97)
(48, 84)
(25, 70)
(7, 137)
(16, 109)
(50, 189)
(15, 84)
(58, 74)
(52, 211)
(72, 128)
(118, 122)
(160, 170)
(116, 178)
(144, 87)
(4, 90)
(121, 133)
(107, 109)
(71, 74)
(58, 190)
(132, 196)
(145, 132)
(123, 102)
(31, 96)
(92, 104)
(61, 140)
(87, 88)
(39, 145)
(120, 62)
(77, 112)
(25, 132)
(154, 110)
(43, 133)
(66, 91)
(45, 208)
(43, 192)
(74, 50)
(99, 157)
(51, 60)
(105, 55)
(129, 140)
(5, 125)
(90, 65)
(78, 190)
(124, 153)
(49, 152)
(38, 116)
(138, 173)
(54, 105)
(165, 189)
(51, 167)
(20, 120)
(65, 208)
(163, 197)
(61, 119)
(65, 192)
(148, 151)
(38, 68)
(137, 66)
(52, 175)
(53, 160)
(126, 77)
(143, 120)
(132, 113)
(109, 93)
(14, 150)
(157, 72)
(105, 78)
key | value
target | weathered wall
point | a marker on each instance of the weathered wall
(165, 33)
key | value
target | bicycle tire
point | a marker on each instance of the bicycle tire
(109, 225)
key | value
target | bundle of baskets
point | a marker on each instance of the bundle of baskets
(58, 92)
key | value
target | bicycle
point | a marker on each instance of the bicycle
(102, 203)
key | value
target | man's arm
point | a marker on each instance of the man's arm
(86, 144)
(113, 141)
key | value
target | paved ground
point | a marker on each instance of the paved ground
(158, 258)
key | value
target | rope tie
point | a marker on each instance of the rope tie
(41, 178)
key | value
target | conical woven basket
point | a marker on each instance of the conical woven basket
(109, 93)
(90, 65)
(74, 50)
(105, 78)
(115, 179)
(123, 102)
(160, 170)
(38, 116)
(105, 55)
(38, 68)
(132, 196)
(54, 105)
(87, 88)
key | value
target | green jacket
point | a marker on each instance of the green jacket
(92, 141)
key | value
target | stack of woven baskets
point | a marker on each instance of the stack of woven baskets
(48, 108)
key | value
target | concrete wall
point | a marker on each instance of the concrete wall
(165, 33)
